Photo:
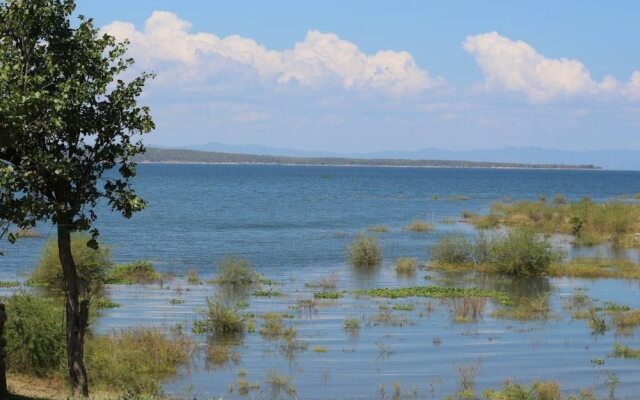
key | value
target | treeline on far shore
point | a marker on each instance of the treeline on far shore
(160, 155)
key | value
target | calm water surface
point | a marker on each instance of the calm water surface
(294, 224)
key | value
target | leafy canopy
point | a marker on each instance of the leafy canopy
(69, 123)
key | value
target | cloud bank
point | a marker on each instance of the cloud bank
(321, 59)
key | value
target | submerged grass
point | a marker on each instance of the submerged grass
(526, 309)
(436, 292)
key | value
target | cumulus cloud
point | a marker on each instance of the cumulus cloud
(516, 66)
(321, 59)
(632, 89)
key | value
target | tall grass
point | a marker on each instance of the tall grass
(136, 360)
(222, 319)
(419, 226)
(519, 252)
(136, 272)
(590, 222)
(365, 252)
(237, 272)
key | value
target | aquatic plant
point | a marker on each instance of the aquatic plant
(267, 293)
(220, 354)
(453, 250)
(351, 324)
(624, 351)
(419, 226)
(365, 252)
(9, 284)
(136, 360)
(625, 322)
(320, 349)
(406, 265)
(273, 327)
(597, 323)
(521, 252)
(614, 221)
(279, 385)
(436, 292)
(526, 309)
(467, 309)
(192, 277)
(236, 272)
(379, 229)
(538, 390)
(327, 295)
(91, 265)
(221, 318)
(596, 268)
(243, 385)
(404, 307)
(385, 317)
(136, 272)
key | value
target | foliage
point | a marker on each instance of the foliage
(35, 335)
(192, 277)
(222, 319)
(327, 295)
(365, 252)
(588, 221)
(436, 292)
(91, 265)
(538, 390)
(237, 272)
(624, 351)
(521, 252)
(453, 249)
(379, 229)
(419, 225)
(136, 360)
(136, 272)
(526, 309)
(406, 265)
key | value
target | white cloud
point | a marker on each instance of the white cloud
(632, 88)
(516, 66)
(322, 58)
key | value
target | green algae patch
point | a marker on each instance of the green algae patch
(436, 292)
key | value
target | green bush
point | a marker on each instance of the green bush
(35, 335)
(521, 252)
(135, 360)
(137, 272)
(365, 252)
(453, 249)
(91, 265)
(419, 225)
(221, 319)
(237, 272)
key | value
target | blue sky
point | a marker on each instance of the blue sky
(366, 76)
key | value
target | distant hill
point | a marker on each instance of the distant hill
(608, 159)
(161, 155)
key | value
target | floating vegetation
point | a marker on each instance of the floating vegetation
(273, 328)
(596, 268)
(320, 349)
(243, 386)
(386, 318)
(419, 226)
(220, 354)
(310, 305)
(267, 293)
(404, 307)
(436, 292)
(597, 324)
(406, 265)
(538, 390)
(615, 307)
(351, 324)
(9, 284)
(365, 252)
(175, 301)
(379, 229)
(236, 272)
(103, 302)
(327, 295)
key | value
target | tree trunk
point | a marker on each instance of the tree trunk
(76, 315)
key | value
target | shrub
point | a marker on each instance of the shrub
(91, 265)
(379, 229)
(35, 335)
(137, 272)
(237, 272)
(365, 252)
(406, 265)
(136, 360)
(521, 252)
(222, 319)
(453, 249)
(419, 225)
(192, 277)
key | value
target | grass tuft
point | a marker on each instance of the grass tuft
(365, 252)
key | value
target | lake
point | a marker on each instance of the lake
(294, 224)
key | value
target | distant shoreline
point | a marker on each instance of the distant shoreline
(193, 157)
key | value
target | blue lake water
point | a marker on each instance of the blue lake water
(294, 224)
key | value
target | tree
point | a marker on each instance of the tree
(69, 128)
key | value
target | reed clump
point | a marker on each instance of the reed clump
(136, 272)
(235, 271)
(419, 226)
(365, 252)
(406, 265)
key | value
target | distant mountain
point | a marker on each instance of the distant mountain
(164, 155)
(608, 159)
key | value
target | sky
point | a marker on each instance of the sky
(360, 76)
